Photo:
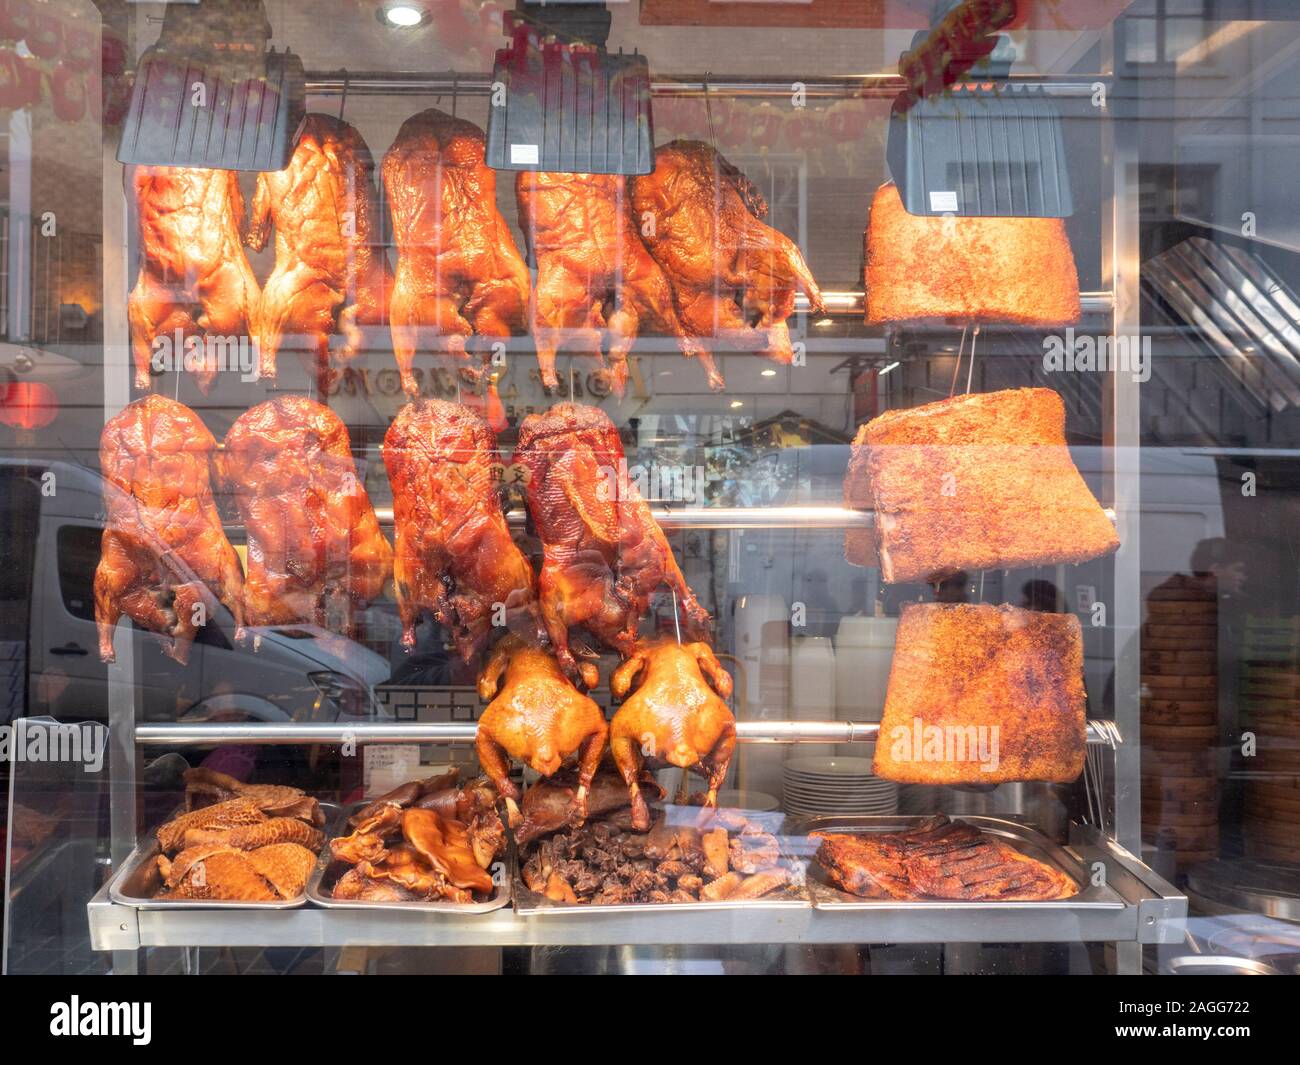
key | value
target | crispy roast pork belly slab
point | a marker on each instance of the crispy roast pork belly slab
(982, 694)
(982, 481)
(1011, 270)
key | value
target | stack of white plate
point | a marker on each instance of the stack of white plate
(836, 785)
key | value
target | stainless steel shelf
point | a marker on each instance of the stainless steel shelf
(850, 303)
(874, 86)
(1151, 913)
(181, 734)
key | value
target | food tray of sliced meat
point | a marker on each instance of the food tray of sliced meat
(692, 857)
(864, 862)
(231, 845)
(434, 845)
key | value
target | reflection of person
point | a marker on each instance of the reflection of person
(953, 589)
(1040, 595)
(1214, 564)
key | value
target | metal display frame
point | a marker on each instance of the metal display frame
(1154, 910)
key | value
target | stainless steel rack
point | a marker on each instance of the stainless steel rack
(1152, 909)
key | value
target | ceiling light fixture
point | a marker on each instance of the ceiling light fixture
(737, 403)
(891, 366)
(767, 373)
(402, 14)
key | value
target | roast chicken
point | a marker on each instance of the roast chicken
(194, 280)
(165, 561)
(331, 273)
(315, 551)
(604, 555)
(676, 715)
(593, 273)
(454, 554)
(733, 276)
(459, 273)
(537, 716)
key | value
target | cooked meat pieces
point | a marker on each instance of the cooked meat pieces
(733, 276)
(604, 554)
(548, 805)
(594, 274)
(940, 859)
(405, 795)
(604, 864)
(455, 556)
(982, 694)
(331, 272)
(315, 551)
(278, 871)
(355, 886)
(165, 561)
(250, 837)
(194, 281)
(677, 714)
(459, 273)
(967, 269)
(981, 481)
(444, 844)
(233, 813)
(205, 786)
(537, 716)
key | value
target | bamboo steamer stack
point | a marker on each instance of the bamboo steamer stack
(1180, 713)
(1271, 697)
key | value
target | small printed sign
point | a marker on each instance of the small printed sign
(523, 154)
(943, 200)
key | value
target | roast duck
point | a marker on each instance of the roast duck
(676, 714)
(733, 276)
(315, 551)
(459, 273)
(238, 842)
(194, 280)
(331, 272)
(938, 859)
(537, 716)
(165, 561)
(603, 553)
(454, 554)
(425, 841)
(979, 481)
(593, 274)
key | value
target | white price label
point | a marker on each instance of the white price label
(523, 154)
(945, 200)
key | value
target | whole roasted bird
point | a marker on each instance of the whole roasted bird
(194, 281)
(604, 553)
(315, 551)
(331, 273)
(593, 273)
(733, 277)
(538, 717)
(165, 561)
(676, 715)
(454, 554)
(459, 273)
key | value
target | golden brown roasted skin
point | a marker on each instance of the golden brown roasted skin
(981, 481)
(331, 273)
(165, 560)
(982, 694)
(593, 273)
(315, 551)
(193, 275)
(205, 787)
(275, 871)
(537, 716)
(454, 553)
(675, 715)
(604, 553)
(459, 273)
(733, 277)
(1011, 270)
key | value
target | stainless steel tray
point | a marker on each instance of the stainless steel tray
(793, 897)
(138, 881)
(1029, 841)
(327, 871)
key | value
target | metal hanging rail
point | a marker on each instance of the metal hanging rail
(849, 87)
(181, 734)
